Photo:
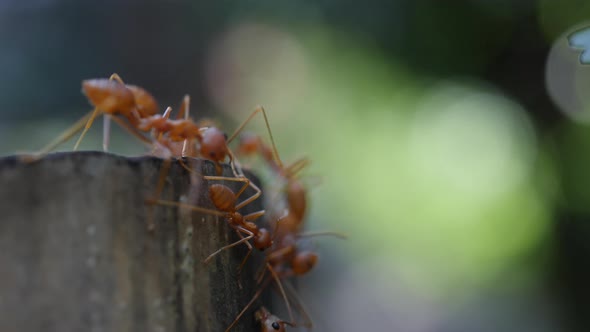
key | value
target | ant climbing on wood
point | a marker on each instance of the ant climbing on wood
(225, 200)
(285, 260)
(182, 137)
(296, 193)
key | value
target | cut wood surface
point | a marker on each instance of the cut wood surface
(76, 255)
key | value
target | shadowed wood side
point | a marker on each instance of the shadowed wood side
(75, 253)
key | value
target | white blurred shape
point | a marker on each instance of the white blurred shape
(369, 297)
(568, 81)
(473, 142)
(253, 64)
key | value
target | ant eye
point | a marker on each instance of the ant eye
(225, 136)
(276, 325)
(212, 154)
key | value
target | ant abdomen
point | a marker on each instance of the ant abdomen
(109, 96)
(145, 103)
(262, 240)
(222, 197)
(303, 262)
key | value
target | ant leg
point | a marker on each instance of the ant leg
(236, 168)
(159, 187)
(300, 306)
(247, 255)
(185, 166)
(242, 240)
(186, 206)
(283, 294)
(166, 115)
(106, 123)
(261, 273)
(259, 109)
(149, 143)
(162, 178)
(184, 112)
(251, 198)
(115, 77)
(218, 168)
(296, 166)
(86, 127)
(254, 298)
(106, 132)
(64, 136)
(254, 215)
(277, 253)
(246, 182)
(324, 233)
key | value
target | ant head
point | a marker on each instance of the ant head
(262, 240)
(303, 262)
(269, 322)
(145, 103)
(213, 144)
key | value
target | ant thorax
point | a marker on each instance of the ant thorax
(235, 218)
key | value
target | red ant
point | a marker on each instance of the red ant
(284, 261)
(269, 322)
(296, 193)
(225, 200)
(196, 140)
(212, 141)
(110, 97)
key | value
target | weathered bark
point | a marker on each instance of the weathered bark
(76, 255)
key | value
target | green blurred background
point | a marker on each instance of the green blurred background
(450, 138)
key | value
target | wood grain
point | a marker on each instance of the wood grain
(75, 253)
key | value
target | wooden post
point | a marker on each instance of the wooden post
(75, 253)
